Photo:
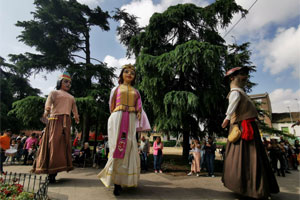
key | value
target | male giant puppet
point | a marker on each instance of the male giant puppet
(54, 154)
(246, 170)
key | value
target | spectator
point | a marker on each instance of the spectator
(19, 149)
(28, 145)
(100, 154)
(202, 156)
(75, 143)
(276, 154)
(4, 145)
(210, 149)
(106, 147)
(31, 154)
(85, 153)
(196, 150)
(144, 150)
(157, 154)
(285, 148)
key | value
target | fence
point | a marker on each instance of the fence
(31, 183)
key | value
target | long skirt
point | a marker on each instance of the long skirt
(195, 167)
(126, 171)
(54, 153)
(247, 170)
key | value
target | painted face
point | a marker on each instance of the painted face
(241, 79)
(65, 85)
(128, 75)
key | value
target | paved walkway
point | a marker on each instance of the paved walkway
(83, 184)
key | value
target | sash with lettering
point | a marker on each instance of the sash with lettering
(122, 138)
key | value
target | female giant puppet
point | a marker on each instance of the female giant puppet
(247, 170)
(54, 154)
(127, 117)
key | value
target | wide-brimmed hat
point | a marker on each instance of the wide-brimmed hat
(236, 70)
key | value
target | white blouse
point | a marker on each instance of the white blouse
(234, 99)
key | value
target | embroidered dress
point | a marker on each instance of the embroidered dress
(123, 165)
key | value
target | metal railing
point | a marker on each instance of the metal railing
(31, 183)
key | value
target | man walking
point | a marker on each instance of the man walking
(4, 145)
(210, 149)
(144, 150)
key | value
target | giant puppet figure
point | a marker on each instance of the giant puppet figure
(127, 117)
(247, 170)
(54, 154)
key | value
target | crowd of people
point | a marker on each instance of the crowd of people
(248, 161)
(282, 155)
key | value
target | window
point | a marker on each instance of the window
(285, 129)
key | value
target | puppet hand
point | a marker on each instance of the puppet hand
(138, 116)
(225, 123)
(46, 113)
(77, 119)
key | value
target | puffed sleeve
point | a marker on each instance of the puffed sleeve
(234, 99)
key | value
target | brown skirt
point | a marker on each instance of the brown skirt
(247, 170)
(54, 154)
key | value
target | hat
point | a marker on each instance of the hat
(65, 75)
(235, 70)
(128, 66)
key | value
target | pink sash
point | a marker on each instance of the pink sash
(122, 138)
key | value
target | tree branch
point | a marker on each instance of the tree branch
(85, 58)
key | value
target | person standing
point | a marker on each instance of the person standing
(127, 117)
(196, 149)
(4, 145)
(54, 154)
(157, 154)
(31, 141)
(210, 149)
(246, 170)
(144, 150)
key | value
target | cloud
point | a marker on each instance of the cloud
(281, 99)
(282, 52)
(91, 3)
(117, 63)
(263, 14)
(144, 9)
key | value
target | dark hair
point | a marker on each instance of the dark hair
(7, 131)
(121, 80)
(58, 84)
(32, 135)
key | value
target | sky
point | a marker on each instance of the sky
(271, 26)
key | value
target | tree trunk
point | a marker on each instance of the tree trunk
(186, 144)
(85, 128)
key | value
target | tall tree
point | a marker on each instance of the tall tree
(13, 87)
(181, 60)
(60, 32)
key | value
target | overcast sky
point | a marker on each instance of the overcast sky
(272, 27)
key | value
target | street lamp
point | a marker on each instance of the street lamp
(298, 108)
(290, 114)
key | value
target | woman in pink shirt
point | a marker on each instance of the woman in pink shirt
(31, 141)
(157, 154)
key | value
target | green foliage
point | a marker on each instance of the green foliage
(14, 86)
(28, 111)
(60, 33)
(14, 192)
(181, 60)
